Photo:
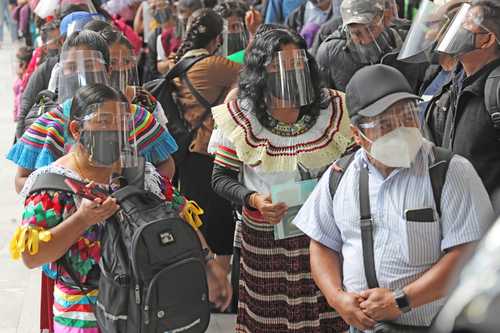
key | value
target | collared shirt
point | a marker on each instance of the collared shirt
(404, 250)
(314, 14)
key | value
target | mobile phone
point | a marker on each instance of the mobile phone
(420, 215)
(81, 189)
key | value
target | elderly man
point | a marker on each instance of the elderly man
(365, 39)
(401, 217)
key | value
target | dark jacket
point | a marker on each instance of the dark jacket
(327, 28)
(150, 71)
(469, 129)
(338, 61)
(38, 81)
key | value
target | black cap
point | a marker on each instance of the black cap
(373, 89)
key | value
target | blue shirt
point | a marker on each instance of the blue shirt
(404, 250)
(278, 10)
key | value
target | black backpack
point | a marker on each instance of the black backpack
(45, 102)
(492, 97)
(152, 274)
(164, 90)
(437, 173)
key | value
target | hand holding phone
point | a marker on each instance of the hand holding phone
(87, 191)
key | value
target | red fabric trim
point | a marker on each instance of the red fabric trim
(254, 216)
(247, 127)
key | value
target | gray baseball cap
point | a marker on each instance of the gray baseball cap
(360, 11)
(373, 89)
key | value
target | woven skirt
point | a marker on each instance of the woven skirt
(276, 289)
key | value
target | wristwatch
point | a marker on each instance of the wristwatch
(207, 255)
(402, 300)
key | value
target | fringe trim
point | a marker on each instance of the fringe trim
(312, 155)
(30, 158)
(159, 150)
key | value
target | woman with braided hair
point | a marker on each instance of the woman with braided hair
(212, 77)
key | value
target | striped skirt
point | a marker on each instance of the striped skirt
(276, 290)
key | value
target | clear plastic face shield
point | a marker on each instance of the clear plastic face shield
(401, 114)
(394, 137)
(289, 80)
(161, 11)
(460, 37)
(370, 41)
(123, 67)
(234, 36)
(51, 40)
(80, 68)
(427, 28)
(105, 135)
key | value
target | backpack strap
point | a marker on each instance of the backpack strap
(437, 173)
(366, 225)
(50, 182)
(182, 67)
(338, 169)
(492, 97)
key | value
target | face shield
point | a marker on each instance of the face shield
(161, 11)
(394, 136)
(234, 36)
(123, 66)
(80, 68)
(425, 32)
(289, 80)
(460, 37)
(105, 135)
(370, 41)
(401, 114)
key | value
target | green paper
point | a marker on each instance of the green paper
(238, 57)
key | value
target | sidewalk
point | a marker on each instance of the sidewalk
(20, 287)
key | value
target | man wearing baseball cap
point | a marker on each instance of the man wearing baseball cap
(365, 39)
(390, 223)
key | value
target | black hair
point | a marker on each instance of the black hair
(253, 77)
(191, 4)
(71, 8)
(24, 54)
(230, 8)
(98, 25)
(203, 27)
(90, 39)
(112, 36)
(93, 94)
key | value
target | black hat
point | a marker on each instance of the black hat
(373, 89)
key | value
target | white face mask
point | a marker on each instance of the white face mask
(398, 148)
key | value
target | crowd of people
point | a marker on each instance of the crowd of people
(338, 160)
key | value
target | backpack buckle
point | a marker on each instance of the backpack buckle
(495, 118)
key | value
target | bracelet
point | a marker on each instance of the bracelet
(208, 256)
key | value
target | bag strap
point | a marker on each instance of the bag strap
(181, 67)
(202, 100)
(50, 182)
(437, 173)
(366, 225)
(338, 169)
(492, 97)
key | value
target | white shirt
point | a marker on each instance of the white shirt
(404, 250)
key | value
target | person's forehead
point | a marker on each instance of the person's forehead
(119, 51)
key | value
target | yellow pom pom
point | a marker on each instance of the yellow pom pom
(27, 238)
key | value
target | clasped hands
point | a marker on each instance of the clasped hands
(363, 310)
